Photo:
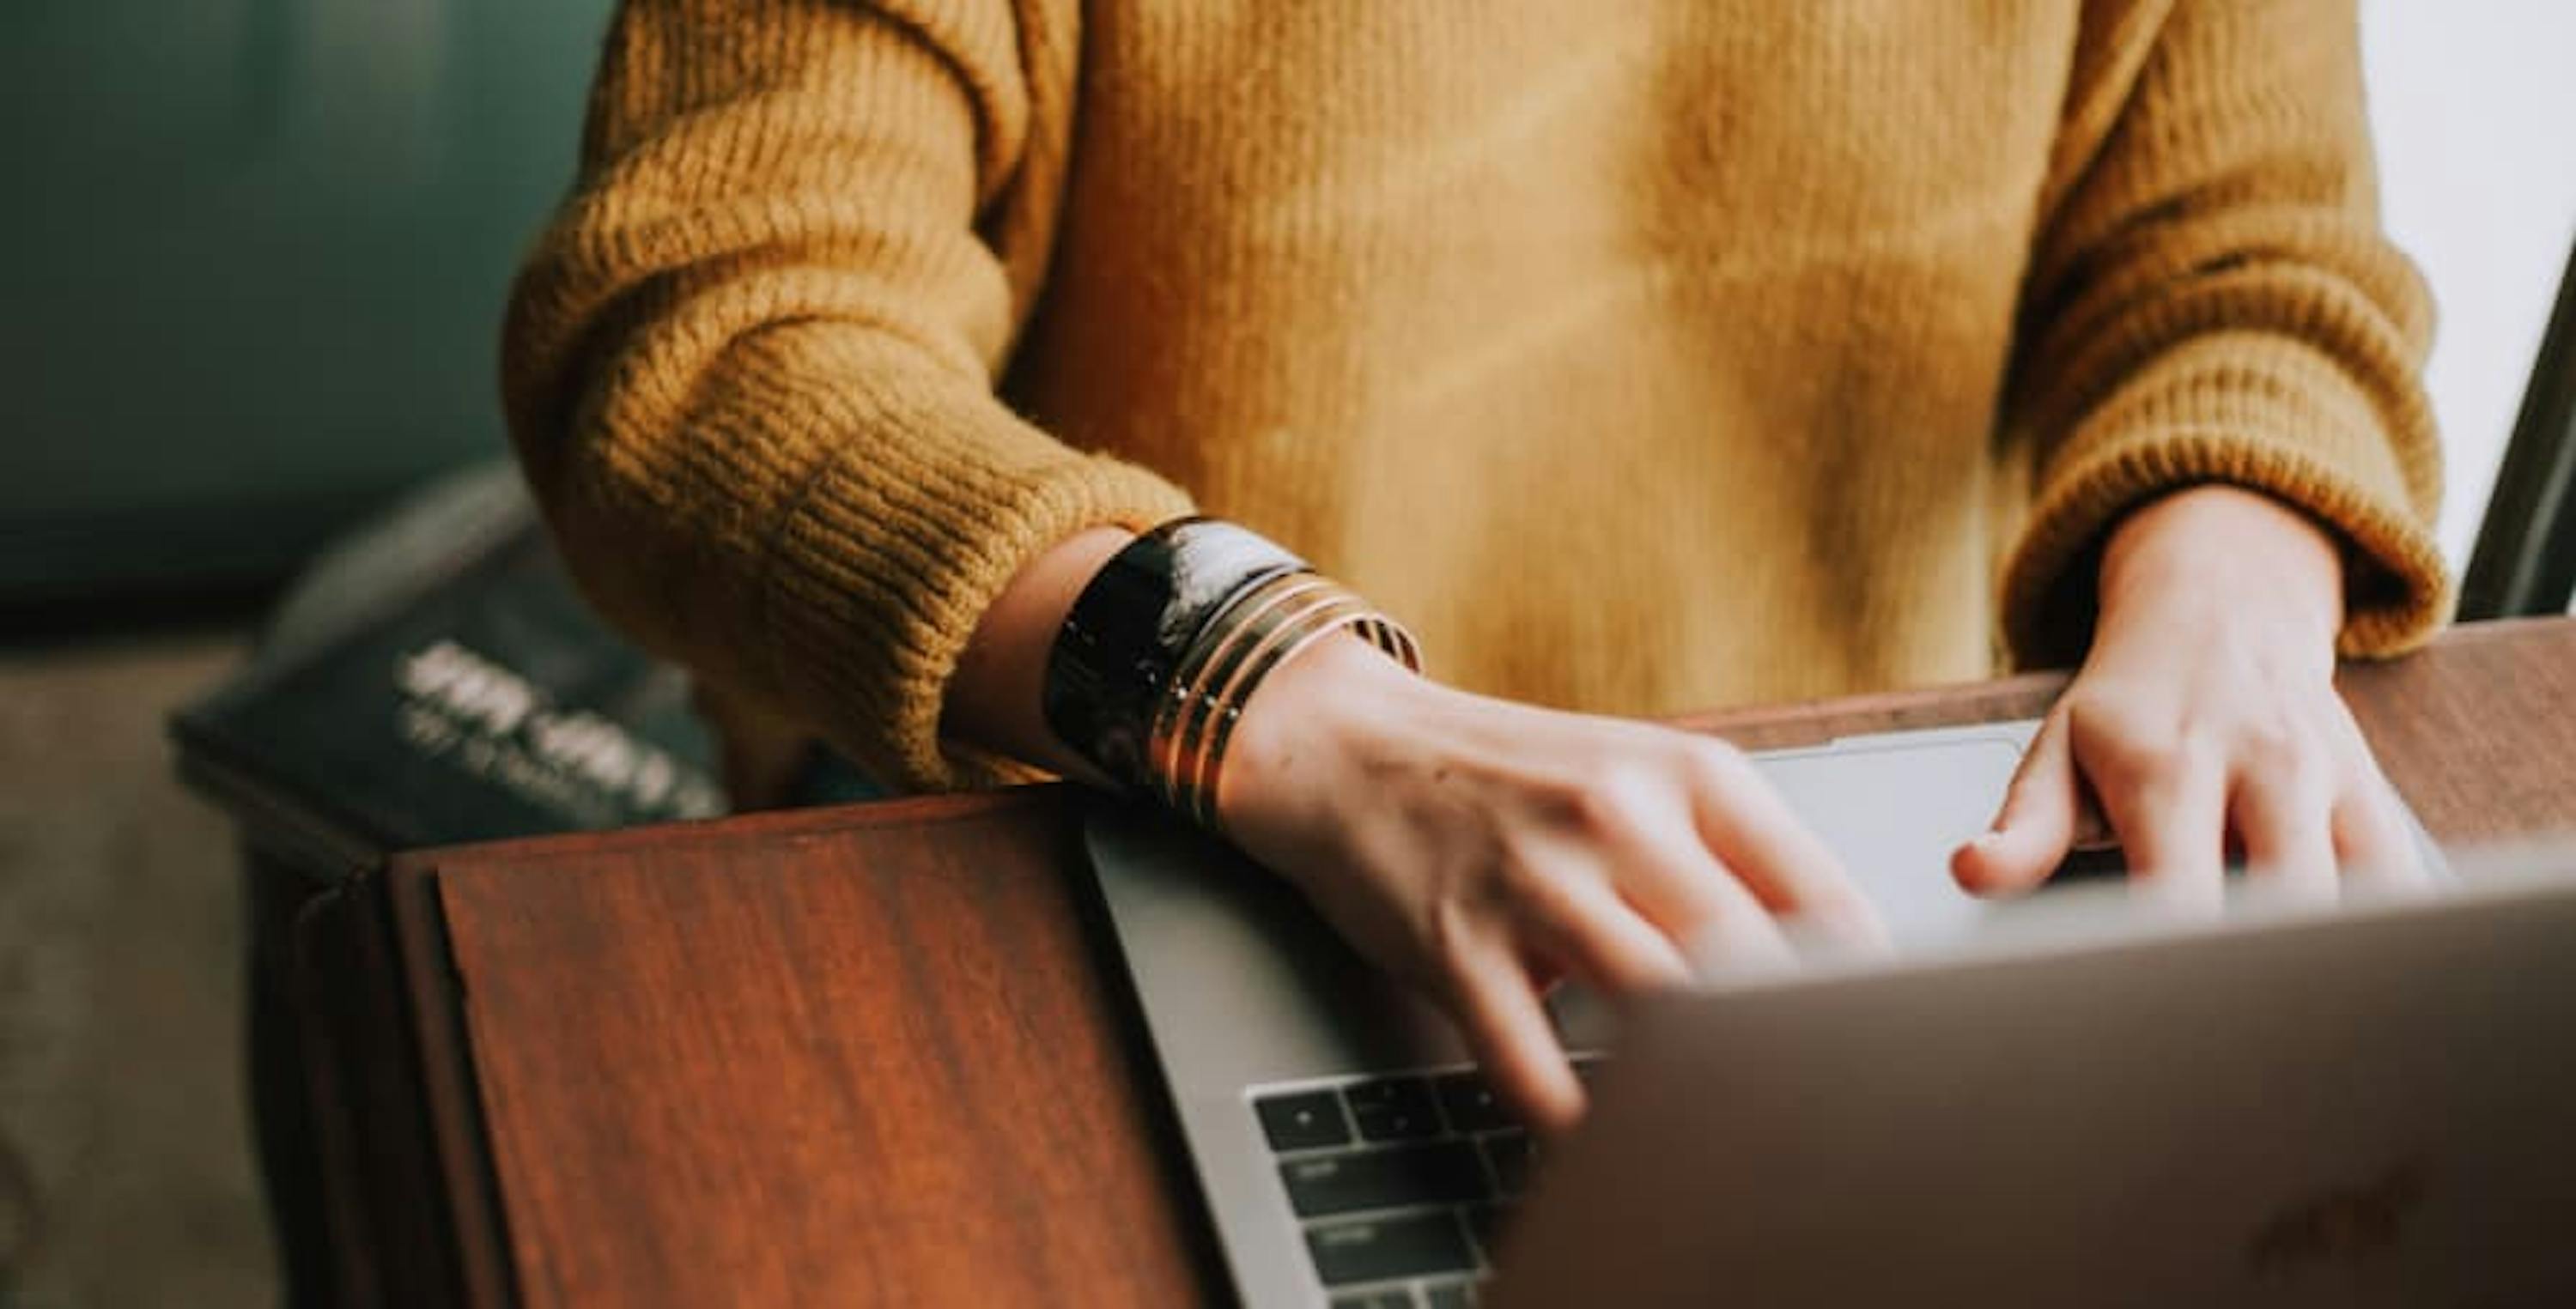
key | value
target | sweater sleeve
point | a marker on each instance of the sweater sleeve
(750, 366)
(2211, 299)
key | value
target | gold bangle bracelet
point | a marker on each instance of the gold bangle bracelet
(1218, 660)
(1276, 620)
(1294, 629)
(1212, 767)
(1212, 658)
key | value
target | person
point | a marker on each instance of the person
(1635, 358)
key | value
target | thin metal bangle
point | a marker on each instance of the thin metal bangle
(1210, 662)
(1119, 645)
(1213, 768)
(1209, 731)
(1213, 653)
(1178, 738)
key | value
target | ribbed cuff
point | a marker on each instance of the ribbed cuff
(892, 545)
(2255, 411)
(875, 599)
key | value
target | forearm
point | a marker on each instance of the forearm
(2260, 559)
(750, 366)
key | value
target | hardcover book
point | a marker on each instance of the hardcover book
(439, 680)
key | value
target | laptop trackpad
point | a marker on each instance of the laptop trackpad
(1894, 808)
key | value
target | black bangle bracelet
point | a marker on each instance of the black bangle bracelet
(1131, 627)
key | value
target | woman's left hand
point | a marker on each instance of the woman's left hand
(2205, 717)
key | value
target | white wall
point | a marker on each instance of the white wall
(2473, 105)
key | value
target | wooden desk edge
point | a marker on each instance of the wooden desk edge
(454, 1103)
(1762, 727)
(410, 1195)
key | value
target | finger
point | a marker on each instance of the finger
(2170, 819)
(1741, 937)
(1583, 922)
(2286, 825)
(2372, 838)
(1678, 886)
(1772, 858)
(2035, 826)
(1506, 1025)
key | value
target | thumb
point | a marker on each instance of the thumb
(2032, 832)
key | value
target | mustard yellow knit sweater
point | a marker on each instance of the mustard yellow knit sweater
(1643, 355)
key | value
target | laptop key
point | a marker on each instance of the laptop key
(2090, 862)
(1304, 1120)
(1391, 1297)
(1509, 1155)
(1392, 1109)
(1382, 1249)
(1437, 1174)
(1471, 1104)
(1450, 1295)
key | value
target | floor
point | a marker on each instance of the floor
(125, 1165)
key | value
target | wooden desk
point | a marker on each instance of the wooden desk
(880, 1054)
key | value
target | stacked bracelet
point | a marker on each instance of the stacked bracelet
(1266, 625)
(1166, 646)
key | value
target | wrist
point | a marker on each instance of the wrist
(1314, 714)
(2226, 551)
(1161, 652)
(994, 697)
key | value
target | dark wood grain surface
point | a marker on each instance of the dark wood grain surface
(880, 1054)
(867, 1065)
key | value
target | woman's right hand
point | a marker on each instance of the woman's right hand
(1476, 848)
(1481, 849)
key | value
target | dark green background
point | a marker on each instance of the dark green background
(252, 262)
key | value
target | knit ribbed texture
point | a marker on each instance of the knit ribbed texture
(2214, 302)
(1642, 358)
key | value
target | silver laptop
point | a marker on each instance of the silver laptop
(1349, 1155)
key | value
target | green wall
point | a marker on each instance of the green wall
(252, 261)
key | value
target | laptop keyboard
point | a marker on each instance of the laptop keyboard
(1400, 1184)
